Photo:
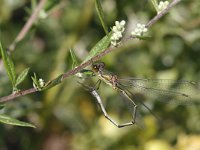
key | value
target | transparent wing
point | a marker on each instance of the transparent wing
(130, 104)
(165, 90)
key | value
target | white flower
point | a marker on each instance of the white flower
(41, 82)
(162, 5)
(122, 23)
(79, 75)
(118, 29)
(42, 14)
(139, 30)
(113, 43)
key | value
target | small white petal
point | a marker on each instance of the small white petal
(159, 7)
(114, 37)
(117, 23)
(145, 30)
(79, 75)
(41, 80)
(113, 43)
(138, 25)
(134, 33)
(119, 28)
(137, 30)
(143, 26)
(114, 29)
(122, 23)
(166, 3)
(161, 3)
(119, 35)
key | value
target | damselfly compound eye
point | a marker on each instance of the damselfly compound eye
(98, 66)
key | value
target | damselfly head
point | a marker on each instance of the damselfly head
(96, 67)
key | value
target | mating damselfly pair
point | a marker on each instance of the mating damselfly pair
(164, 90)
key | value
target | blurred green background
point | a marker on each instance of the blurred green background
(66, 116)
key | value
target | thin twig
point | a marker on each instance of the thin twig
(157, 17)
(95, 58)
(28, 25)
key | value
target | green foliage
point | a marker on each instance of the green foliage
(53, 82)
(69, 113)
(36, 82)
(101, 15)
(10, 69)
(74, 59)
(99, 47)
(11, 121)
(9, 65)
(21, 77)
(144, 37)
(155, 4)
(48, 85)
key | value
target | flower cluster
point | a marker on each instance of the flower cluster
(139, 30)
(118, 29)
(41, 84)
(162, 5)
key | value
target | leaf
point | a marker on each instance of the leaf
(74, 60)
(101, 15)
(35, 79)
(36, 83)
(99, 47)
(9, 66)
(22, 76)
(155, 4)
(53, 83)
(142, 37)
(11, 121)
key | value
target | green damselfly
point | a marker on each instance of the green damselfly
(165, 90)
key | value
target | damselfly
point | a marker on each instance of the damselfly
(165, 90)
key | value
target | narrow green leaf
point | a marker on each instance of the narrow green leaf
(9, 66)
(99, 47)
(36, 83)
(53, 83)
(101, 15)
(22, 76)
(74, 59)
(35, 78)
(155, 4)
(11, 121)
(142, 37)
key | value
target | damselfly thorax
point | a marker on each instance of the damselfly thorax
(107, 77)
